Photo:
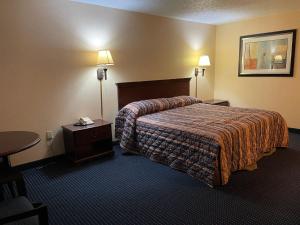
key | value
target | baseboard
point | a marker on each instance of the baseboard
(294, 130)
(45, 161)
(40, 162)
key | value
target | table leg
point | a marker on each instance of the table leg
(10, 185)
(1, 192)
(20, 184)
(6, 161)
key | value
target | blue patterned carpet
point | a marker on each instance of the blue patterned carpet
(133, 190)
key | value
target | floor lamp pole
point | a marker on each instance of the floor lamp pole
(101, 73)
(101, 98)
(196, 76)
(196, 87)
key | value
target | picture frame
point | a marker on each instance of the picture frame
(267, 54)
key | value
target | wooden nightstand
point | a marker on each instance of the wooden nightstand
(87, 142)
(217, 102)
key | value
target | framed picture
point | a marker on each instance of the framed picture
(267, 54)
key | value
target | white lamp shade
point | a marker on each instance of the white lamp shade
(104, 58)
(204, 61)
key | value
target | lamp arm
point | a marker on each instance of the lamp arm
(203, 71)
(105, 73)
(196, 71)
(102, 73)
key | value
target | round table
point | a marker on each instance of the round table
(12, 142)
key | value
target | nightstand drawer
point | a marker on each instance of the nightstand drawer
(83, 137)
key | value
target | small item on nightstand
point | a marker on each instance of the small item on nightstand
(83, 121)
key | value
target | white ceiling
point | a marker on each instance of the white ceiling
(203, 11)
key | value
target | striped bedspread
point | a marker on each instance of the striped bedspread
(192, 136)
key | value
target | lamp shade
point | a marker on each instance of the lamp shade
(204, 61)
(104, 58)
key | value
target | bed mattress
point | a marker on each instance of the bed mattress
(198, 138)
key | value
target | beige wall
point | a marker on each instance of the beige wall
(279, 94)
(47, 57)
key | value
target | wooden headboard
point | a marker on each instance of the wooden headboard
(134, 91)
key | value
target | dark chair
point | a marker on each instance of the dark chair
(20, 211)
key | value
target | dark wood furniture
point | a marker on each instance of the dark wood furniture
(21, 211)
(87, 142)
(134, 91)
(217, 102)
(12, 142)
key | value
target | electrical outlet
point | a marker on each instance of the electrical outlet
(49, 135)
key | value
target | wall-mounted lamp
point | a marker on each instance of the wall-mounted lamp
(203, 63)
(104, 60)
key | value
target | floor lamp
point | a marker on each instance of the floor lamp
(104, 60)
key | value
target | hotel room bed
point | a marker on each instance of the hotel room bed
(208, 142)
